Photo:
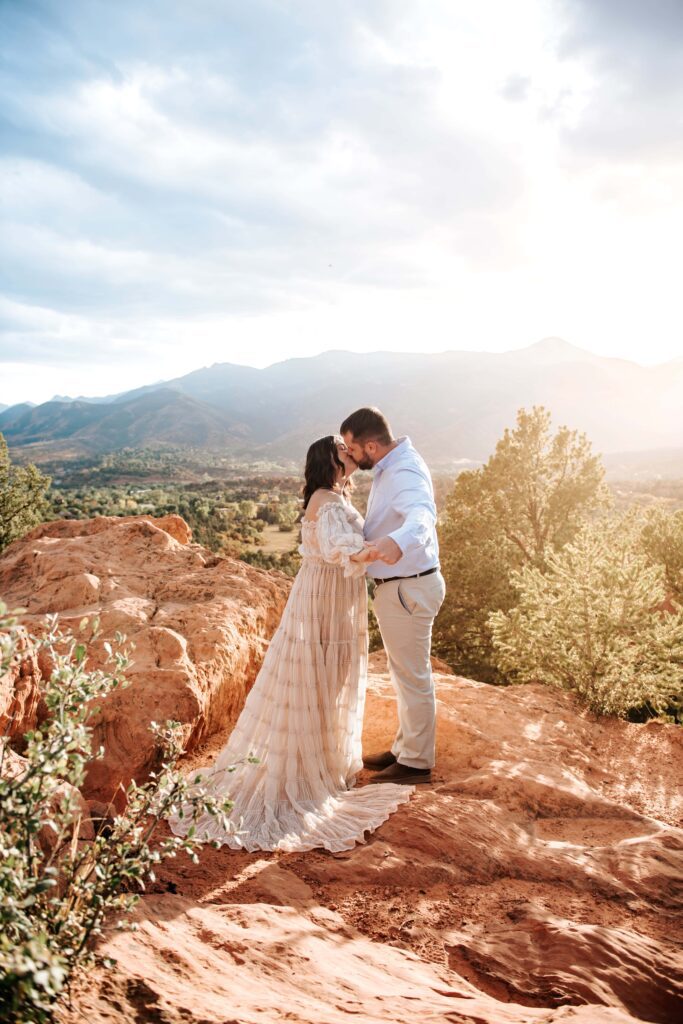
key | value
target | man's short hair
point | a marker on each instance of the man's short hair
(367, 424)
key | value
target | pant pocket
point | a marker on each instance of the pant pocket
(408, 603)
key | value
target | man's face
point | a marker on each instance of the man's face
(364, 455)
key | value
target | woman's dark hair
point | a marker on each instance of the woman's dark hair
(322, 463)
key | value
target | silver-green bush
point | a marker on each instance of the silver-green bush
(589, 622)
(54, 897)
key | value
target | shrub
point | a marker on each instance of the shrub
(590, 623)
(287, 562)
(53, 901)
(375, 642)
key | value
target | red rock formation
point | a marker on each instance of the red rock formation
(14, 764)
(198, 622)
(20, 691)
(537, 880)
(290, 961)
(377, 663)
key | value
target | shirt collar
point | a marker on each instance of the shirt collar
(404, 443)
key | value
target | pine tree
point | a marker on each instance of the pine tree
(529, 499)
(23, 501)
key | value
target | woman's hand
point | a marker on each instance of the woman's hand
(369, 553)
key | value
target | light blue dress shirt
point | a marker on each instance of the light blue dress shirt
(401, 506)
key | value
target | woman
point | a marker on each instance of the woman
(303, 716)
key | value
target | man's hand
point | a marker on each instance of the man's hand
(367, 554)
(388, 550)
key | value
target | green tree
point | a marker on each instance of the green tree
(591, 622)
(529, 500)
(662, 541)
(23, 497)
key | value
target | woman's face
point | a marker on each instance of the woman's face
(343, 453)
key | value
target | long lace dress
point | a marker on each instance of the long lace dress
(303, 716)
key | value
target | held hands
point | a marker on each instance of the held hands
(383, 550)
(387, 550)
(368, 553)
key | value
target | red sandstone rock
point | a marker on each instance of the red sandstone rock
(20, 691)
(377, 663)
(82, 821)
(258, 962)
(14, 764)
(538, 880)
(440, 666)
(559, 959)
(199, 624)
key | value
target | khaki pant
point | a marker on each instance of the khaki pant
(405, 611)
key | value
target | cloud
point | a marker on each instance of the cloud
(634, 51)
(237, 135)
(176, 160)
(40, 335)
(516, 87)
(174, 173)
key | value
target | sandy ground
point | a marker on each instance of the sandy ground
(538, 879)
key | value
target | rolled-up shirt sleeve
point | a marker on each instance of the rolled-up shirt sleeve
(412, 498)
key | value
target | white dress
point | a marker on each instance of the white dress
(303, 717)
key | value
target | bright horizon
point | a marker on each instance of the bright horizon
(188, 186)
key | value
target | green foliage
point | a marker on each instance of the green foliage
(375, 642)
(227, 518)
(55, 895)
(23, 501)
(279, 513)
(162, 464)
(662, 541)
(528, 501)
(288, 562)
(589, 622)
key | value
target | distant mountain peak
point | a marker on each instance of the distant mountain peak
(558, 346)
(553, 349)
(553, 342)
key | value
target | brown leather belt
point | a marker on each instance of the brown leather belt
(388, 579)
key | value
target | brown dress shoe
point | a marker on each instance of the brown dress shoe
(403, 773)
(379, 760)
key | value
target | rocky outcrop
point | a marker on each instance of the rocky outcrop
(198, 624)
(540, 879)
(20, 690)
(271, 962)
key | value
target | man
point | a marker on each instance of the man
(401, 524)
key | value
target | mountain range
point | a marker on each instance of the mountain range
(455, 405)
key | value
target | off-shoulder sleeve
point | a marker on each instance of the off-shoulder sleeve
(338, 539)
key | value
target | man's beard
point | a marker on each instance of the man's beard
(365, 463)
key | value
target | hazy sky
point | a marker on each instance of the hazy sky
(194, 182)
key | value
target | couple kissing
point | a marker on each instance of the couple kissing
(303, 717)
